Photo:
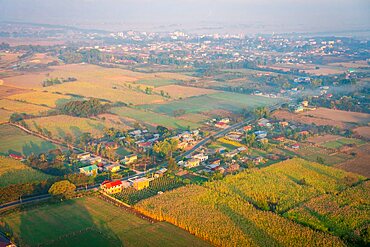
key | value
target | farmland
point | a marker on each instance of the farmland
(41, 98)
(92, 222)
(360, 163)
(221, 101)
(14, 140)
(15, 172)
(152, 118)
(325, 116)
(238, 208)
(16, 106)
(178, 92)
(312, 153)
(4, 115)
(132, 196)
(94, 81)
(61, 125)
(363, 131)
(345, 214)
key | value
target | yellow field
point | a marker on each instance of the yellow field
(4, 115)
(8, 164)
(16, 106)
(61, 125)
(40, 98)
(176, 91)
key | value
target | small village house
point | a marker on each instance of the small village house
(89, 170)
(141, 183)
(129, 159)
(114, 187)
(192, 163)
(113, 167)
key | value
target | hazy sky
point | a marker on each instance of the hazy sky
(285, 15)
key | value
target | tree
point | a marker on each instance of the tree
(172, 166)
(62, 189)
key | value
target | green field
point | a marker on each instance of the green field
(247, 209)
(311, 153)
(89, 221)
(157, 82)
(219, 101)
(152, 118)
(60, 125)
(15, 172)
(341, 142)
(14, 140)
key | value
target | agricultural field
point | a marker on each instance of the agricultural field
(345, 214)
(132, 196)
(179, 92)
(21, 107)
(158, 82)
(360, 163)
(15, 172)
(232, 102)
(325, 116)
(342, 142)
(153, 119)
(228, 144)
(240, 208)
(6, 91)
(363, 131)
(61, 125)
(312, 153)
(14, 140)
(4, 116)
(92, 222)
(41, 98)
(94, 81)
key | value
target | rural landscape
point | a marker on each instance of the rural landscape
(182, 137)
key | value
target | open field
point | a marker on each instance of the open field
(312, 153)
(349, 65)
(41, 98)
(6, 91)
(363, 131)
(325, 116)
(4, 116)
(31, 41)
(345, 214)
(14, 140)
(323, 138)
(338, 115)
(15, 172)
(176, 91)
(311, 68)
(231, 218)
(223, 101)
(152, 118)
(342, 142)
(61, 125)
(21, 107)
(157, 82)
(360, 163)
(92, 222)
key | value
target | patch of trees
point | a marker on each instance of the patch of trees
(51, 163)
(56, 81)
(84, 108)
(92, 56)
(62, 190)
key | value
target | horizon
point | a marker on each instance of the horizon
(202, 16)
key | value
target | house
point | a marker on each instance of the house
(114, 187)
(16, 156)
(305, 103)
(284, 124)
(295, 146)
(113, 167)
(260, 134)
(263, 122)
(258, 159)
(279, 138)
(213, 167)
(304, 132)
(233, 168)
(192, 163)
(247, 128)
(140, 183)
(200, 157)
(111, 145)
(298, 108)
(264, 140)
(89, 170)
(129, 159)
(221, 125)
(83, 156)
(160, 172)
